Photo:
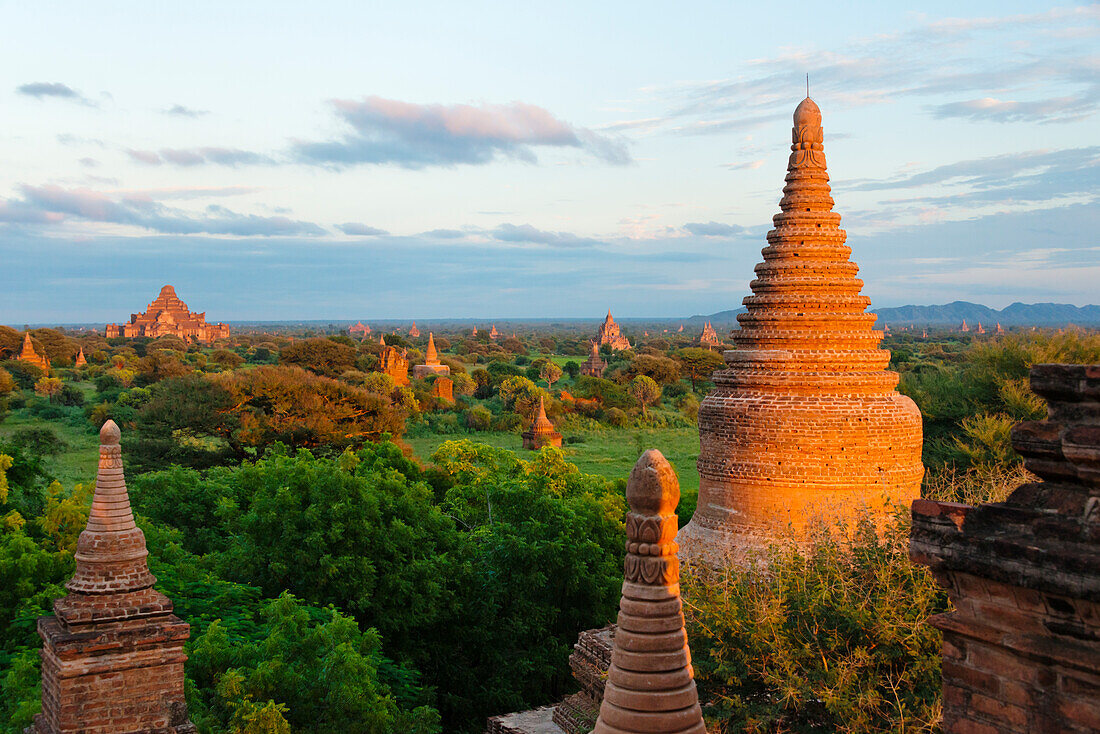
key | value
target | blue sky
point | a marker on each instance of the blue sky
(427, 160)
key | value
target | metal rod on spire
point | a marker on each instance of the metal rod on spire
(807, 84)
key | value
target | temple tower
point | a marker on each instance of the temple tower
(112, 660)
(594, 365)
(81, 360)
(805, 420)
(432, 365)
(650, 687)
(393, 362)
(541, 433)
(30, 355)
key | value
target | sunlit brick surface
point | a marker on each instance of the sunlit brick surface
(805, 421)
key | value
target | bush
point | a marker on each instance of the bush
(478, 418)
(833, 638)
(616, 417)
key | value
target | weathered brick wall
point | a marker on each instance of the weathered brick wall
(1021, 651)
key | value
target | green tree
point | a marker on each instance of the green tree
(699, 363)
(644, 390)
(551, 373)
(320, 356)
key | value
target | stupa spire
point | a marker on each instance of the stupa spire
(110, 553)
(805, 420)
(113, 651)
(650, 687)
(431, 356)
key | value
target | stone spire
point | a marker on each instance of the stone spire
(805, 420)
(110, 553)
(81, 360)
(431, 356)
(113, 653)
(541, 433)
(650, 687)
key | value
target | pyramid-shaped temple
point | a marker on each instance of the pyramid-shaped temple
(805, 420)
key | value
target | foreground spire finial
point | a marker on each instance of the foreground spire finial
(651, 688)
(113, 651)
(110, 553)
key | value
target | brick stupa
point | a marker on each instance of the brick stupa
(650, 687)
(805, 420)
(432, 365)
(541, 433)
(594, 365)
(709, 337)
(81, 360)
(30, 356)
(112, 659)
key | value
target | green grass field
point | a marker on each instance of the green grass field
(77, 462)
(610, 453)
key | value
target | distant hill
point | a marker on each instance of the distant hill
(952, 314)
(1017, 314)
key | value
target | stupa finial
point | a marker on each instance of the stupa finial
(650, 687)
(110, 553)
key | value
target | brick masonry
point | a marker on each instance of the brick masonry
(1021, 651)
(112, 656)
(805, 421)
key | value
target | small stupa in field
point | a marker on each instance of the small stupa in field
(594, 365)
(541, 433)
(432, 365)
(80, 359)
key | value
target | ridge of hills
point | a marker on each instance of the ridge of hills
(953, 314)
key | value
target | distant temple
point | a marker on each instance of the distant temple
(805, 421)
(610, 333)
(414, 332)
(964, 327)
(1000, 329)
(30, 356)
(359, 330)
(81, 360)
(493, 333)
(980, 329)
(432, 365)
(709, 337)
(594, 365)
(394, 362)
(167, 315)
(541, 433)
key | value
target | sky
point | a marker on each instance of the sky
(359, 160)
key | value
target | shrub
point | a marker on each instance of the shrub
(832, 638)
(478, 418)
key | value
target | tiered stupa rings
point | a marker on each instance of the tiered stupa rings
(805, 420)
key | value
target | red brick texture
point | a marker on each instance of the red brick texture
(1021, 651)
(112, 656)
(805, 420)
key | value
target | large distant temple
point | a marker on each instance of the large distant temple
(611, 334)
(30, 356)
(167, 315)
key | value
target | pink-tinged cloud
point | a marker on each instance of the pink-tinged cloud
(51, 204)
(416, 136)
(199, 156)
